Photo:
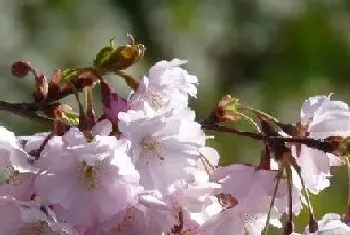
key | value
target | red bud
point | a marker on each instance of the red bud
(21, 68)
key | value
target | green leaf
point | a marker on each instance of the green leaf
(69, 75)
(105, 54)
(71, 118)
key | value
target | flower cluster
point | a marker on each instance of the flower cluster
(151, 179)
(144, 167)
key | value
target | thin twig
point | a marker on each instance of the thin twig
(324, 145)
(26, 110)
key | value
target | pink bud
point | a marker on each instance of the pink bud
(112, 102)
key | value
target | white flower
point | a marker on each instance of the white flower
(150, 216)
(331, 224)
(164, 148)
(320, 118)
(87, 182)
(168, 73)
(16, 171)
(156, 99)
(248, 183)
(12, 153)
(166, 87)
(195, 204)
(17, 218)
(103, 127)
(247, 218)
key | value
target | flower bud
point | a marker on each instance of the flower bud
(114, 58)
(288, 228)
(21, 68)
(313, 225)
(112, 102)
(226, 110)
(41, 87)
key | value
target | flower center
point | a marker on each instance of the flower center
(152, 150)
(88, 176)
(38, 228)
(155, 99)
(9, 175)
(249, 218)
(131, 217)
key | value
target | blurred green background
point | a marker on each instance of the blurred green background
(271, 54)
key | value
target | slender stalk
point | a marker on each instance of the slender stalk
(278, 179)
(289, 224)
(260, 113)
(347, 214)
(250, 120)
(308, 201)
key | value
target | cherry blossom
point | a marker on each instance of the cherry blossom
(164, 148)
(168, 73)
(17, 218)
(143, 165)
(17, 174)
(249, 183)
(245, 218)
(96, 173)
(156, 99)
(167, 86)
(320, 118)
(331, 224)
(152, 215)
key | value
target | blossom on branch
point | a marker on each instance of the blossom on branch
(80, 173)
(320, 118)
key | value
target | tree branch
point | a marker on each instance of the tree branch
(26, 110)
(325, 145)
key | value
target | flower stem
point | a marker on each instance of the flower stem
(289, 224)
(278, 178)
(347, 213)
(250, 120)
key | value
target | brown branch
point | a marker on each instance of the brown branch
(325, 145)
(26, 110)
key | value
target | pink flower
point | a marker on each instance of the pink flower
(156, 99)
(164, 148)
(16, 171)
(194, 205)
(169, 73)
(248, 217)
(331, 224)
(112, 102)
(150, 216)
(248, 183)
(17, 218)
(18, 185)
(166, 87)
(80, 173)
(320, 118)
(12, 153)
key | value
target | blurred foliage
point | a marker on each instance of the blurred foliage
(271, 54)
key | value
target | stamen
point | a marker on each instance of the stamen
(131, 218)
(38, 228)
(88, 176)
(152, 150)
(155, 99)
(9, 175)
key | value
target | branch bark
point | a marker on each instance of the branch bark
(26, 110)
(325, 145)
